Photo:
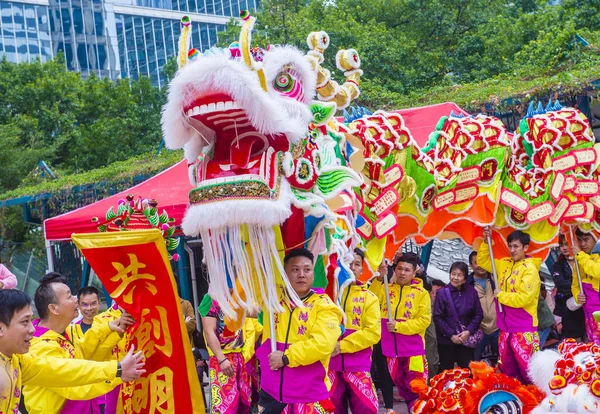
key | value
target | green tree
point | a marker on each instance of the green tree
(72, 123)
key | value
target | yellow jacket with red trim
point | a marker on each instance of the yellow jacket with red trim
(33, 371)
(519, 284)
(411, 310)
(43, 399)
(589, 268)
(363, 330)
(307, 335)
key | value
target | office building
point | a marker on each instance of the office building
(112, 38)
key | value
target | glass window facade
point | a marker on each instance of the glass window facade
(94, 38)
(24, 32)
(146, 43)
(216, 7)
(79, 29)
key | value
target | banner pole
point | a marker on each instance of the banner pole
(576, 264)
(273, 330)
(494, 274)
(387, 296)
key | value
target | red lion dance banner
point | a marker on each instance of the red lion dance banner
(134, 268)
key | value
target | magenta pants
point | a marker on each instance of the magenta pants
(112, 399)
(402, 375)
(515, 350)
(356, 388)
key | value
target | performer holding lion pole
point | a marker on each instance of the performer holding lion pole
(518, 291)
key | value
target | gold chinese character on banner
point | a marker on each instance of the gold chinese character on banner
(161, 391)
(151, 331)
(155, 389)
(129, 274)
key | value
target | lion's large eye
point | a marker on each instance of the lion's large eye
(288, 83)
(284, 83)
(500, 402)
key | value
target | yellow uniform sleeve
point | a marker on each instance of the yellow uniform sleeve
(370, 331)
(418, 322)
(252, 331)
(527, 291)
(587, 264)
(99, 341)
(483, 258)
(323, 336)
(62, 372)
(378, 290)
(575, 285)
(79, 392)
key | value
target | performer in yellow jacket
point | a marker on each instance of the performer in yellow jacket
(57, 307)
(20, 368)
(295, 376)
(88, 299)
(403, 339)
(349, 369)
(589, 268)
(517, 291)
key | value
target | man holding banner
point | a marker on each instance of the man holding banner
(589, 266)
(518, 291)
(134, 267)
(406, 314)
(57, 307)
(295, 376)
(22, 368)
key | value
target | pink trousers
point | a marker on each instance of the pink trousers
(515, 350)
(402, 375)
(354, 387)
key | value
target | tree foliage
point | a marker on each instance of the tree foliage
(413, 52)
(50, 114)
(411, 46)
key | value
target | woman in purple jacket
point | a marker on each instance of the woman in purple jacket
(457, 314)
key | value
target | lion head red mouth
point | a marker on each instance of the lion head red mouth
(238, 149)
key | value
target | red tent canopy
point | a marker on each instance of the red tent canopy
(421, 121)
(171, 187)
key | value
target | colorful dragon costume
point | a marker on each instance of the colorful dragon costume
(273, 169)
(544, 175)
(565, 381)
(480, 390)
(570, 378)
(262, 161)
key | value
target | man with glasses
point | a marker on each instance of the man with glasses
(88, 299)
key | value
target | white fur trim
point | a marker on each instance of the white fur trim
(541, 368)
(268, 112)
(236, 212)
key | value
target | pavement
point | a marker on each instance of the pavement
(399, 407)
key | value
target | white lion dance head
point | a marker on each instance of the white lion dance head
(256, 145)
(570, 378)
